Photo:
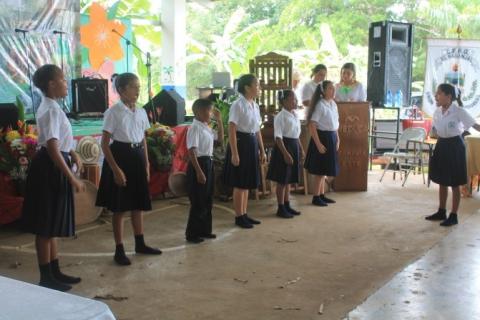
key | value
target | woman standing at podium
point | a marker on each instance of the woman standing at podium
(319, 73)
(448, 164)
(349, 89)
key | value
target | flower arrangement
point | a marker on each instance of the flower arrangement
(160, 146)
(17, 148)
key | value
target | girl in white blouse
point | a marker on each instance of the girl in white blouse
(448, 165)
(322, 154)
(125, 172)
(285, 163)
(48, 207)
(349, 89)
(245, 148)
(319, 74)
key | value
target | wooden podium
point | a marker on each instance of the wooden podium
(353, 153)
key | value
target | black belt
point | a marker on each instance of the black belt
(205, 158)
(133, 145)
(245, 133)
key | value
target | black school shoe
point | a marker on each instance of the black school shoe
(317, 201)
(327, 200)
(194, 240)
(120, 257)
(47, 280)
(208, 236)
(251, 220)
(440, 215)
(242, 222)
(291, 210)
(60, 276)
(282, 212)
(452, 220)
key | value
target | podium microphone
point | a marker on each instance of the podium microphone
(21, 30)
(58, 32)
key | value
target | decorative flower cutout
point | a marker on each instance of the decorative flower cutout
(98, 37)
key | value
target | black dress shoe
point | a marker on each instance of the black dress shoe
(291, 210)
(54, 285)
(317, 201)
(251, 220)
(437, 216)
(60, 276)
(122, 260)
(120, 257)
(452, 220)
(194, 239)
(327, 200)
(209, 236)
(243, 223)
(283, 213)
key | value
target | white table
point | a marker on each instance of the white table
(25, 301)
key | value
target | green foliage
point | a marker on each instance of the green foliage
(301, 29)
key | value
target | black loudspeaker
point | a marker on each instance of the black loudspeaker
(8, 115)
(90, 96)
(390, 50)
(169, 107)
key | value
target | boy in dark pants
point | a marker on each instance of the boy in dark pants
(200, 177)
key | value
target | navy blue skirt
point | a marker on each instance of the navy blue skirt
(247, 174)
(135, 195)
(323, 164)
(448, 163)
(48, 208)
(278, 170)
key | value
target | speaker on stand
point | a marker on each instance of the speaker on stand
(169, 107)
(390, 52)
(90, 96)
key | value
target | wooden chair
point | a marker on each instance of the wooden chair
(274, 73)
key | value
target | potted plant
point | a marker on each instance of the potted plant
(160, 147)
(17, 148)
(222, 191)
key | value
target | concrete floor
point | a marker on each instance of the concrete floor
(336, 257)
(442, 285)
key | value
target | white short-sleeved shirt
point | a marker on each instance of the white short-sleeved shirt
(326, 115)
(124, 124)
(453, 122)
(245, 115)
(201, 137)
(286, 124)
(52, 123)
(308, 90)
(355, 94)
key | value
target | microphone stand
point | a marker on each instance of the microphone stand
(29, 72)
(148, 64)
(64, 106)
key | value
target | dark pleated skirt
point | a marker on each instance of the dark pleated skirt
(135, 195)
(48, 207)
(448, 164)
(278, 170)
(247, 174)
(323, 164)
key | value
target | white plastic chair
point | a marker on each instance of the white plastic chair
(405, 162)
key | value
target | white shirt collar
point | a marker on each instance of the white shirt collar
(200, 123)
(288, 113)
(125, 107)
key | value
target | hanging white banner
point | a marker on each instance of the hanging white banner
(456, 62)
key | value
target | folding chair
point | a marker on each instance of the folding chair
(405, 162)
